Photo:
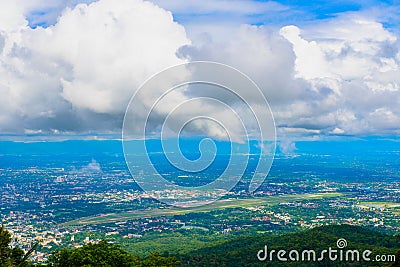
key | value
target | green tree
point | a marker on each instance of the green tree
(157, 260)
(105, 254)
(10, 257)
(101, 254)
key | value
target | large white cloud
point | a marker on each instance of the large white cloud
(335, 76)
(350, 63)
(80, 73)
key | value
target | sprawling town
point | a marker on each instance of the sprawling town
(68, 202)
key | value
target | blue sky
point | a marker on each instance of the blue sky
(280, 13)
(299, 11)
(327, 68)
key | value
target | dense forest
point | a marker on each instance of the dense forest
(241, 251)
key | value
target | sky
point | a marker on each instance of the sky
(327, 68)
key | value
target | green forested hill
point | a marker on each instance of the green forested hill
(242, 251)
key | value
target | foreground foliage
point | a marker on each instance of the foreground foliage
(10, 257)
(242, 251)
(106, 254)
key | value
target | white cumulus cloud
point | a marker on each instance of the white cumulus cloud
(80, 73)
(338, 76)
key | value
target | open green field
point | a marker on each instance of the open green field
(380, 204)
(217, 205)
(392, 206)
